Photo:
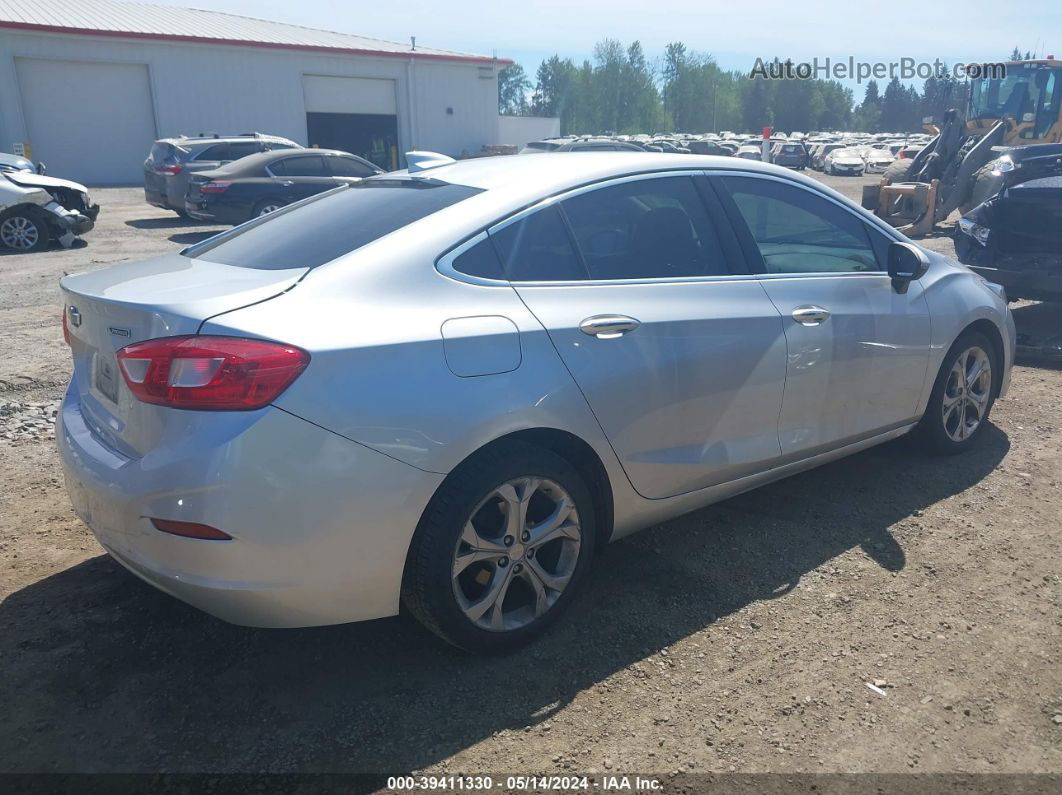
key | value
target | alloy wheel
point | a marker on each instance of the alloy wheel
(19, 232)
(517, 554)
(967, 394)
(267, 209)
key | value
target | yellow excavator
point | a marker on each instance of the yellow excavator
(964, 164)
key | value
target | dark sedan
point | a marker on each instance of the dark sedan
(261, 183)
(1015, 239)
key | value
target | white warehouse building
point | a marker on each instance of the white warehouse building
(87, 85)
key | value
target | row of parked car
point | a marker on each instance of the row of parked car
(232, 179)
(838, 154)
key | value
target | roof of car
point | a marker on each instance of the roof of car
(551, 171)
(222, 139)
(262, 159)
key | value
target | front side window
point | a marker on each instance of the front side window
(797, 231)
(645, 229)
(302, 166)
(330, 225)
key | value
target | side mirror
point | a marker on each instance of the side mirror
(41, 168)
(907, 262)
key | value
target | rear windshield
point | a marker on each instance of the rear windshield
(330, 225)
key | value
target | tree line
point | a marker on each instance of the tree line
(619, 91)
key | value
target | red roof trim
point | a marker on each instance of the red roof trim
(268, 45)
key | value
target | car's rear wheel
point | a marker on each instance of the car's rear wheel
(265, 208)
(501, 549)
(962, 396)
(24, 229)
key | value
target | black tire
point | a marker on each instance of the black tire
(262, 205)
(896, 171)
(933, 431)
(429, 587)
(985, 185)
(28, 224)
(182, 213)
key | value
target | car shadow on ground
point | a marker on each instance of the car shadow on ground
(188, 238)
(169, 222)
(100, 672)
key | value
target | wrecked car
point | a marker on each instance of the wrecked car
(1015, 239)
(9, 162)
(36, 209)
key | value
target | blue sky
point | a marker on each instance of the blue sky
(735, 33)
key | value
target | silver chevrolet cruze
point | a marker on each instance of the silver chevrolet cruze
(448, 387)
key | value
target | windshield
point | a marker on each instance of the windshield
(1024, 90)
(330, 225)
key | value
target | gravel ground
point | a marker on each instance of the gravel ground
(741, 637)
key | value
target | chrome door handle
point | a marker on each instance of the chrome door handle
(810, 315)
(607, 327)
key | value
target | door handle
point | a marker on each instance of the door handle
(810, 315)
(287, 183)
(607, 327)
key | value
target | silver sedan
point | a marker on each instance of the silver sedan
(445, 388)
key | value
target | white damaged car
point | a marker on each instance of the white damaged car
(36, 209)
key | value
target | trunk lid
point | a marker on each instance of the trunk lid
(165, 297)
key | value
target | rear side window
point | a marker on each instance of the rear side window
(480, 260)
(242, 149)
(214, 152)
(302, 166)
(330, 225)
(538, 248)
(645, 229)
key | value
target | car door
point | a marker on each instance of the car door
(858, 350)
(679, 353)
(299, 176)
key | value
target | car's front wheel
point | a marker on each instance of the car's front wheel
(501, 549)
(24, 229)
(265, 208)
(962, 396)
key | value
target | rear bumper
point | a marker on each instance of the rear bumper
(321, 525)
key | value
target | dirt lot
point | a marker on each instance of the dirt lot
(737, 638)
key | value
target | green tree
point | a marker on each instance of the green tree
(513, 86)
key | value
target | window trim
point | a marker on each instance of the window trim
(444, 262)
(744, 233)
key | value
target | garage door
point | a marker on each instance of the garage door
(355, 114)
(90, 122)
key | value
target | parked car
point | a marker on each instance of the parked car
(708, 148)
(877, 160)
(172, 161)
(847, 162)
(263, 183)
(1015, 239)
(790, 155)
(15, 163)
(36, 209)
(818, 157)
(447, 388)
(1017, 164)
(750, 152)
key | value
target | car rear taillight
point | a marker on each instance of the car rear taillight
(217, 186)
(190, 530)
(210, 373)
(171, 168)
